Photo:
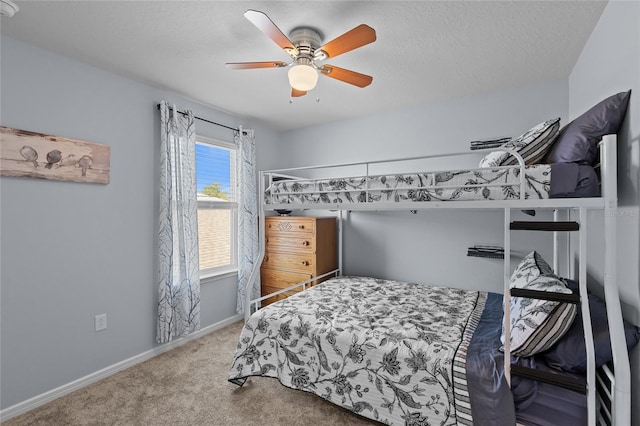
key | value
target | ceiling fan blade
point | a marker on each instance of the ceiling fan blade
(251, 65)
(266, 25)
(351, 77)
(357, 37)
(297, 93)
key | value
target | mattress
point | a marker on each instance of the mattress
(501, 183)
(387, 350)
(394, 352)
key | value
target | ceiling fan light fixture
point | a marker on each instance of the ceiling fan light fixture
(305, 47)
(303, 77)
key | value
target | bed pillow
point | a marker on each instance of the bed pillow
(578, 140)
(571, 180)
(532, 145)
(570, 354)
(536, 325)
(530, 268)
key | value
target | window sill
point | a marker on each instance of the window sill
(217, 276)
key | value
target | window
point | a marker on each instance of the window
(217, 206)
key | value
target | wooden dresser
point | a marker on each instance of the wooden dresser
(297, 249)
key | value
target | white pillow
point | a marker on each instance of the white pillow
(493, 159)
(531, 145)
(536, 325)
(530, 268)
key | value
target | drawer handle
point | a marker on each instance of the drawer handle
(305, 263)
(301, 226)
(266, 240)
(305, 243)
(266, 258)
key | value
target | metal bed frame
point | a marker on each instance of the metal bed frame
(608, 394)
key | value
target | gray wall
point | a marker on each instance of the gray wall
(610, 63)
(70, 251)
(430, 246)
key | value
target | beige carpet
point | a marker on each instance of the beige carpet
(188, 386)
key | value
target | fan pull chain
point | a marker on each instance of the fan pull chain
(318, 89)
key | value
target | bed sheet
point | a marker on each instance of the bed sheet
(461, 185)
(534, 403)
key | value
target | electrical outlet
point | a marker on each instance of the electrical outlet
(101, 322)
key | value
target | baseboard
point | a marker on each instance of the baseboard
(36, 401)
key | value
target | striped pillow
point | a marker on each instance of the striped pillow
(536, 325)
(532, 145)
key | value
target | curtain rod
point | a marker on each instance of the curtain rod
(209, 121)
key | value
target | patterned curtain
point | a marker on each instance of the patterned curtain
(248, 217)
(179, 270)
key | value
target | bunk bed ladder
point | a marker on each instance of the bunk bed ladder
(557, 379)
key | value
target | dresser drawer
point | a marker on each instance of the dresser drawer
(299, 262)
(289, 225)
(268, 290)
(297, 242)
(280, 279)
(272, 281)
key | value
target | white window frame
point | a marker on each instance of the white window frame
(232, 268)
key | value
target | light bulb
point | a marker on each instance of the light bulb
(303, 77)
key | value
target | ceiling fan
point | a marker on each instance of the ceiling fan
(304, 45)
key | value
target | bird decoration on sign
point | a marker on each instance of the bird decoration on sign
(52, 158)
(30, 155)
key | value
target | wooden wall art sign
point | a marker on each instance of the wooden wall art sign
(30, 154)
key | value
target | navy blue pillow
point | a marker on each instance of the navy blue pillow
(570, 354)
(578, 141)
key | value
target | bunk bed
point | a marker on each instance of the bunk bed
(411, 353)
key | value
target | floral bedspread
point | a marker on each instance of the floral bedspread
(461, 185)
(387, 350)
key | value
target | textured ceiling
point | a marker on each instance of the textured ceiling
(425, 50)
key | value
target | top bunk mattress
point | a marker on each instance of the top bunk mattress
(542, 181)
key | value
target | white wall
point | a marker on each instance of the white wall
(70, 251)
(430, 246)
(610, 63)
